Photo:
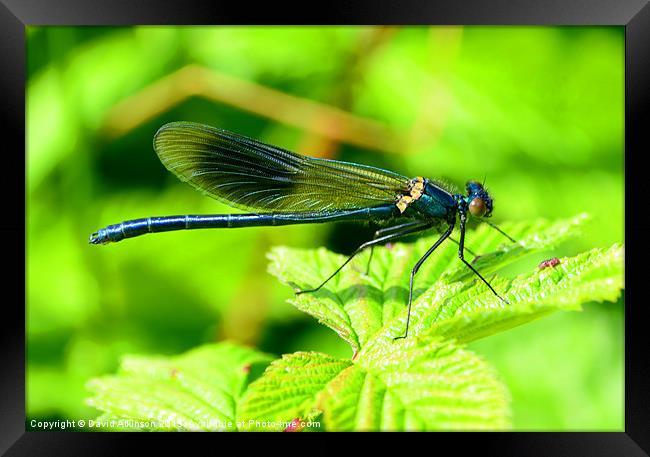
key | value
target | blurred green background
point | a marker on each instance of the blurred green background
(537, 111)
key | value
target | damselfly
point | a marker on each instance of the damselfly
(281, 188)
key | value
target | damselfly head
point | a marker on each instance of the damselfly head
(480, 202)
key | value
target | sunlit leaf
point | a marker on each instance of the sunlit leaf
(360, 308)
(420, 384)
(288, 389)
(194, 391)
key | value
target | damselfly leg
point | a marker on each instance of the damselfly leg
(415, 270)
(393, 229)
(410, 228)
(461, 256)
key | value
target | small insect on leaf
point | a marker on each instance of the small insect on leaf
(549, 263)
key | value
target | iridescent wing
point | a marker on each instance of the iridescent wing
(252, 175)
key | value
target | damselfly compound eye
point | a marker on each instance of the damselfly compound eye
(477, 207)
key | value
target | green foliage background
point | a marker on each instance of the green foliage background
(538, 111)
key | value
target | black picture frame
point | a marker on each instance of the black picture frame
(634, 15)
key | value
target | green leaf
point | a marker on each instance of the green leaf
(596, 275)
(197, 390)
(425, 382)
(448, 298)
(288, 390)
(497, 252)
(418, 384)
(422, 384)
